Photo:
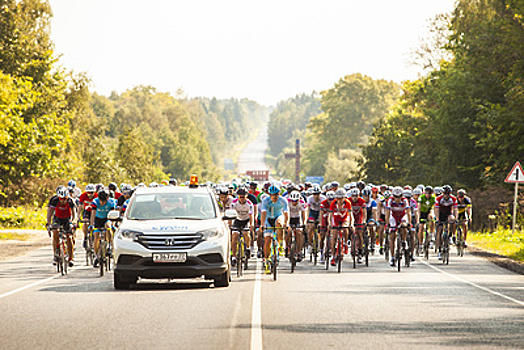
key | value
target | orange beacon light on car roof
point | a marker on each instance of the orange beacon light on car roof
(193, 181)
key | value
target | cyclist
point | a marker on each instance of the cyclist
(245, 213)
(426, 203)
(464, 212)
(114, 189)
(324, 208)
(297, 218)
(446, 211)
(340, 215)
(313, 205)
(260, 234)
(413, 208)
(358, 207)
(85, 199)
(173, 182)
(76, 191)
(398, 217)
(101, 207)
(371, 215)
(61, 209)
(224, 199)
(274, 213)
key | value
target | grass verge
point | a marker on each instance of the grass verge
(9, 236)
(502, 242)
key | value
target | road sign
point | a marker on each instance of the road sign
(516, 175)
(315, 179)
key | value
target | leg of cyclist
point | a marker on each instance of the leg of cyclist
(438, 238)
(279, 222)
(234, 238)
(392, 239)
(381, 229)
(334, 235)
(300, 242)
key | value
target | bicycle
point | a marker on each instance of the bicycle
(103, 255)
(407, 247)
(62, 258)
(338, 254)
(293, 251)
(366, 246)
(327, 249)
(445, 242)
(401, 249)
(274, 252)
(427, 239)
(242, 258)
(89, 245)
(386, 241)
(460, 238)
(314, 246)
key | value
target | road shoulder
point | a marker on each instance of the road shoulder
(13, 248)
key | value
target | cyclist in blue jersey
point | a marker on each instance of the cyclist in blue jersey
(100, 208)
(274, 213)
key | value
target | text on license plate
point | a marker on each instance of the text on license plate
(169, 257)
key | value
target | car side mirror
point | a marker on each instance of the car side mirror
(230, 214)
(114, 215)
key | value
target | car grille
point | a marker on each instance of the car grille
(171, 241)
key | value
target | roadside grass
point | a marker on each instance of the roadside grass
(23, 217)
(9, 236)
(501, 242)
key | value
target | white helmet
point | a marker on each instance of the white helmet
(417, 191)
(340, 193)
(90, 188)
(407, 193)
(62, 192)
(397, 191)
(330, 194)
(294, 196)
(355, 192)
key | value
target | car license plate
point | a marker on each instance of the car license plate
(169, 257)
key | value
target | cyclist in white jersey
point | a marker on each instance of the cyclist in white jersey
(245, 218)
(297, 218)
(313, 204)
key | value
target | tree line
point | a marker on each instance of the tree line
(54, 128)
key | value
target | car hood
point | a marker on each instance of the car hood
(169, 226)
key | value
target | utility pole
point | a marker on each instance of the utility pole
(297, 156)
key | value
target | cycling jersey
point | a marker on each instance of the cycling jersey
(357, 207)
(341, 212)
(426, 202)
(445, 206)
(243, 210)
(370, 206)
(274, 210)
(462, 204)
(315, 205)
(103, 210)
(324, 207)
(397, 210)
(296, 210)
(225, 206)
(63, 210)
(413, 205)
(85, 201)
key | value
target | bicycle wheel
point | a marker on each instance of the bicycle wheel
(407, 255)
(327, 251)
(354, 249)
(246, 256)
(102, 257)
(293, 255)
(315, 247)
(426, 246)
(399, 251)
(386, 245)
(366, 247)
(274, 260)
(459, 242)
(239, 257)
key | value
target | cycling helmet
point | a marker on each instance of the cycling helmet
(340, 193)
(384, 187)
(366, 192)
(346, 187)
(294, 196)
(223, 190)
(62, 192)
(99, 187)
(330, 195)
(90, 188)
(273, 190)
(153, 184)
(352, 185)
(374, 189)
(408, 187)
(126, 188)
(417, 191)
(361, 184)
(164, 182)
(335, 184)
(387, 194)
(267, 185)
(316, 189)
(308, 184)
(70, 190)
(71, 183)
(173, 181)
(438, 191)
(112, 186)
(420, 187)
(407, 193)
(461, 192)
(291, 187)
(428, 189)
(447, 189)
(253, 184)
(397, 191)
(355, 192)
(103, 195)
(241, 192)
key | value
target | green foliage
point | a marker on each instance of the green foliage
(502, 242)
(23, 217)
(462, 123)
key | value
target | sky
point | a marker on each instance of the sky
(266, 51)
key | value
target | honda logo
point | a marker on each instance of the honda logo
(170, 241)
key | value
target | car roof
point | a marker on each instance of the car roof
(172, 189)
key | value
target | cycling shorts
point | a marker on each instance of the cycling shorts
(65, 223)
(294, 222)
(394, 222)
(424, 215)
(313, 215)
(462, 216)
(100, 223)
(277, 222)
(239, 224)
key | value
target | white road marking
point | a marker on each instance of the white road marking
(256, 314)
(39, 282)
(521, 303)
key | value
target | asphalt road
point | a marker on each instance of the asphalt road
(252, 157)
(470, 303)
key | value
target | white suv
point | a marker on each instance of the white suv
(172, 232)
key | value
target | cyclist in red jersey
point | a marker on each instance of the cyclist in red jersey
(398, 216)
(84, 208)
(340, 215)
(324, 213)
(61, 210)
(358, 204)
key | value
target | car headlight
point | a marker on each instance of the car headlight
(211, 233)
(129, 235)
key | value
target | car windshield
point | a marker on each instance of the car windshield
(164, 206)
